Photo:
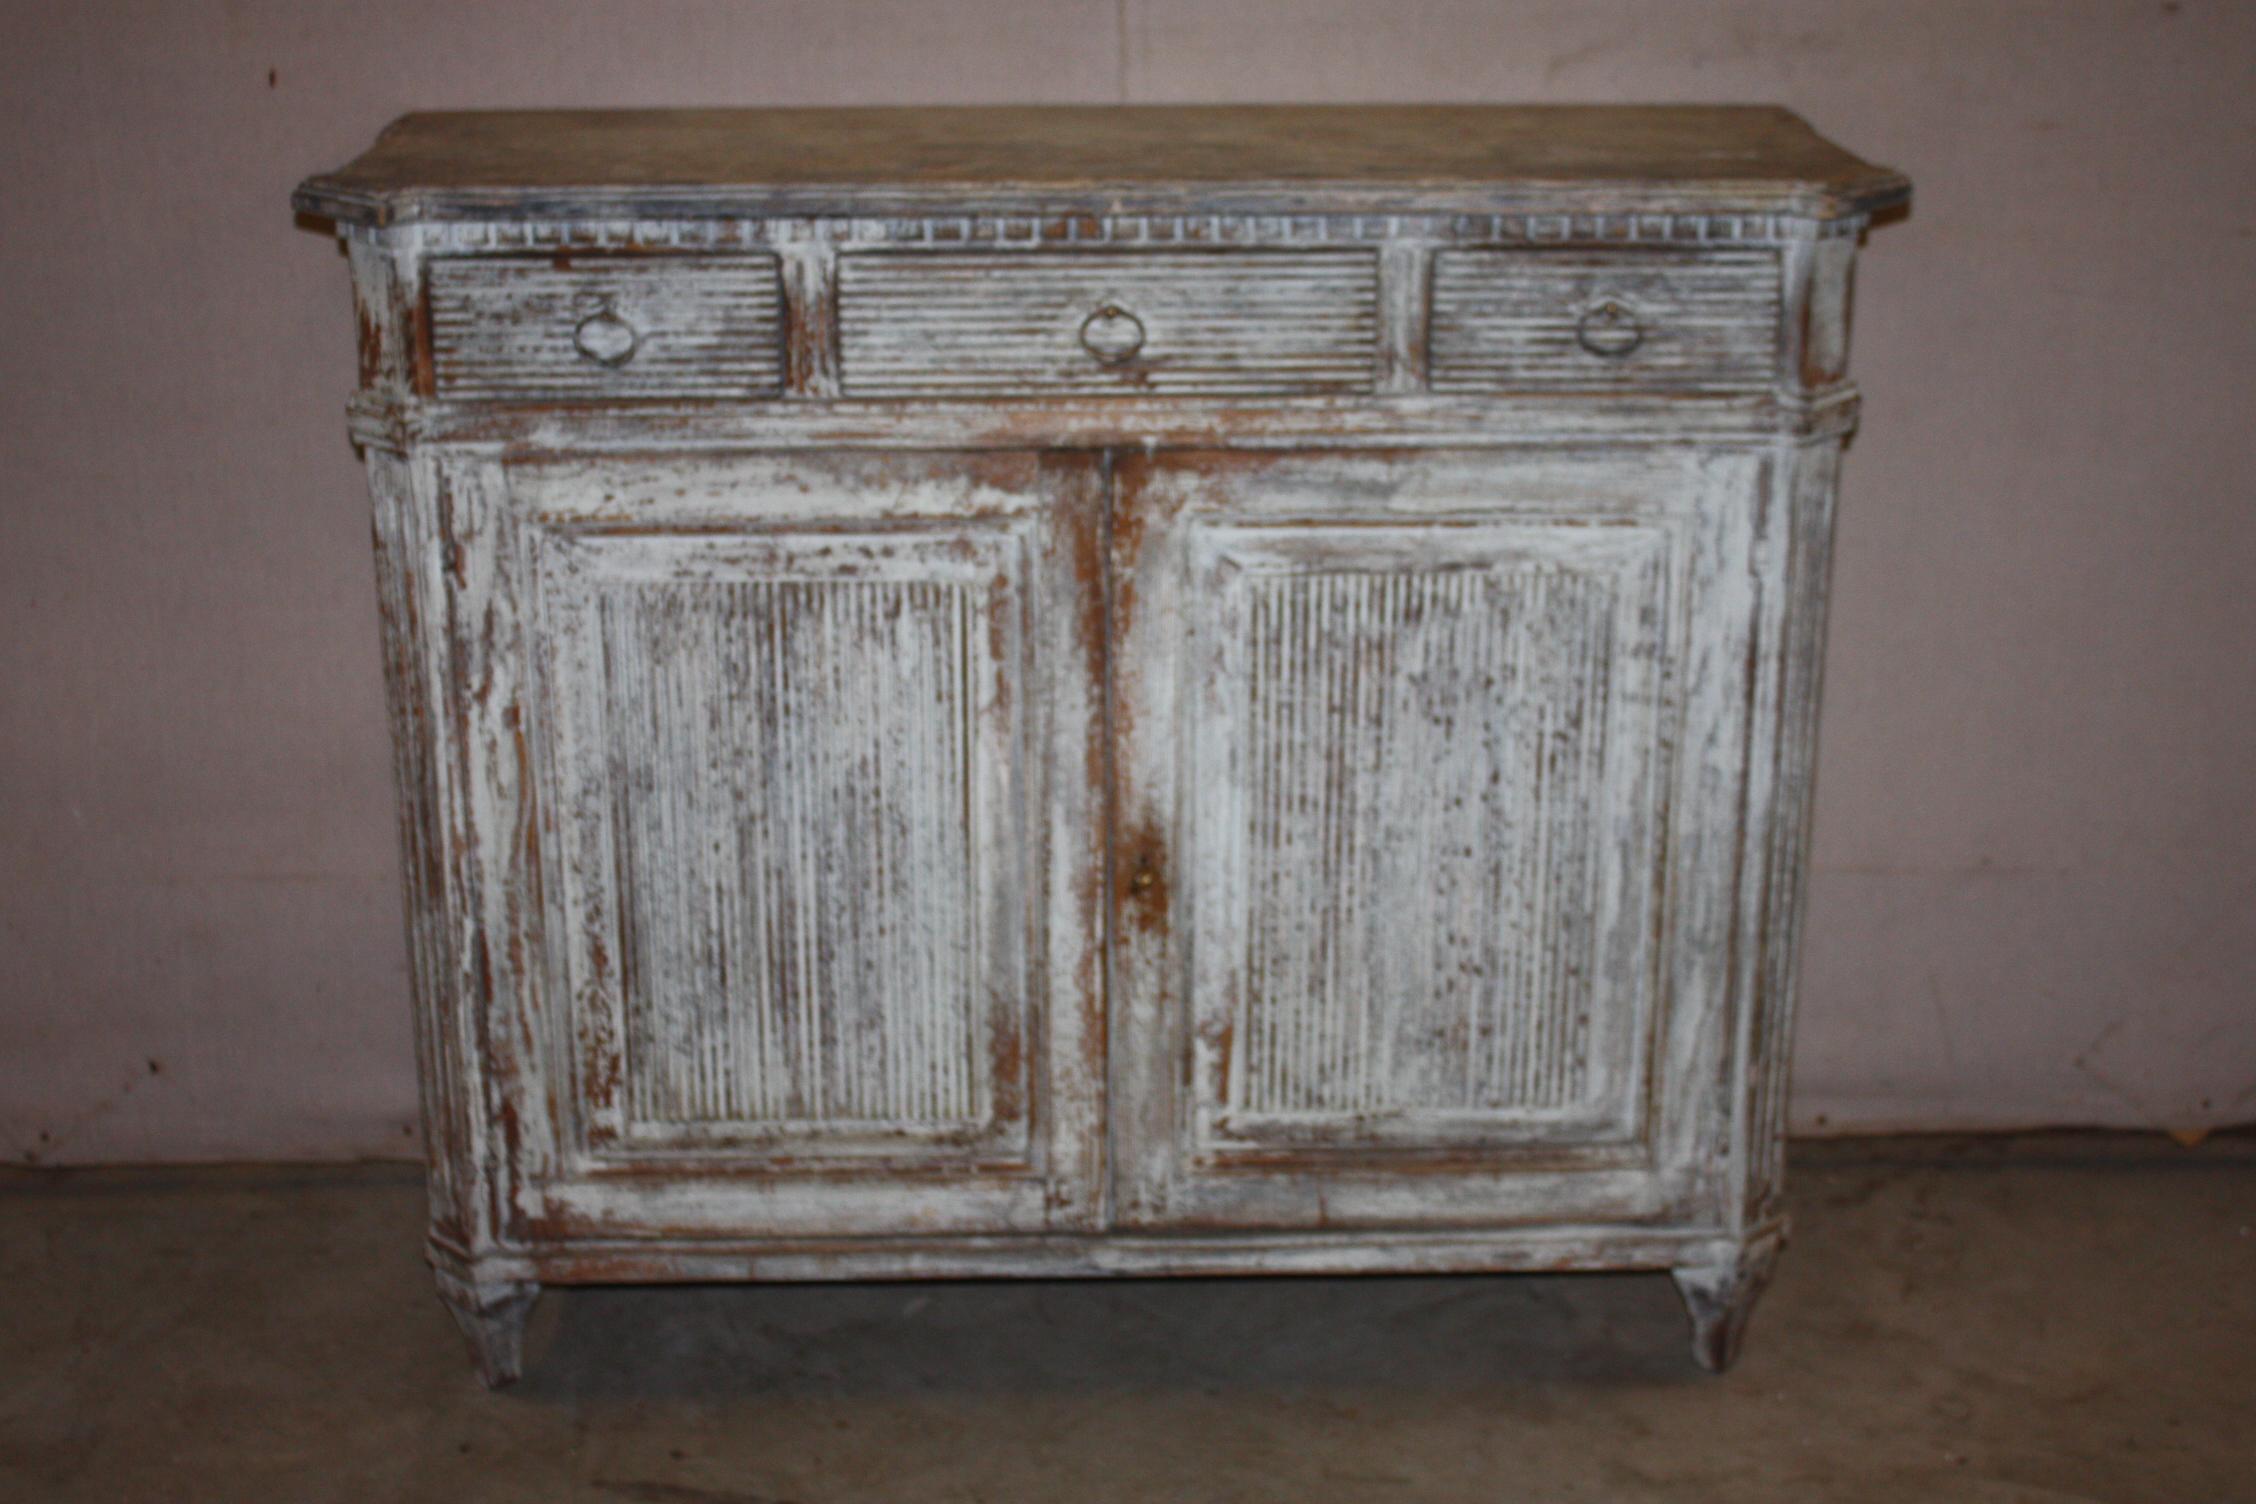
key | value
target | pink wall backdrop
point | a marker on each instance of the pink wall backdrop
(2035, 899)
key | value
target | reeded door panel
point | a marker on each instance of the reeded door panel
(1422, 802)
(805, 723)
(1402, 739)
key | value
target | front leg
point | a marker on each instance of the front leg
(491, 1313)
(1720, 1295)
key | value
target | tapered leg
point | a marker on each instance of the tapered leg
(492, 1316)
(1720, 1296)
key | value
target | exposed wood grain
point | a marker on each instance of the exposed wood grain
(517, 163)
(787, 747)
(1808, 480)
(1428, 741)
(1552, 1248)
(1405, 314)
(1250, 708)
(833, 986)
(1624, 419)
(690, 325)
(1339, 930)
(452, 1121)
(810, 299)
(1259, 322)
(812, 729)
(1516, 319)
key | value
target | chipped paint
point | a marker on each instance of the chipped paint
(889, 789)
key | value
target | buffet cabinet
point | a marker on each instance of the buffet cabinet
(1101, 691)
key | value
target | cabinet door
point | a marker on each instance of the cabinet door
(812, 740)
(1425, 778)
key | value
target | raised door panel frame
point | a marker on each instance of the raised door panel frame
(1264, 1085)
(1012, 532)
(771, 960)
(1664, 1155)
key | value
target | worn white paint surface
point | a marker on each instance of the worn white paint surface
(1424, 770)
(753, 733)
(1677, 319)
(1276, 322)
(1393, 917)
(815, 730)
(673, 326)
(909, 822)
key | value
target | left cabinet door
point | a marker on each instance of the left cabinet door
(807, 742)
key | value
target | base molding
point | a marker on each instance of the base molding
(1719, 1275)
(1113, 1255)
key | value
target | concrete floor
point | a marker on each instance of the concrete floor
(1985, 1321)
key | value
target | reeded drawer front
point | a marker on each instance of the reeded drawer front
(617, 327)
(1603, 318)
(1222, 323)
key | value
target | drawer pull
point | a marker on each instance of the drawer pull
(606, 339)
(1609, 328)
(1112, 335)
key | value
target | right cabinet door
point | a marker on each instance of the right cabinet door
(1428, 825)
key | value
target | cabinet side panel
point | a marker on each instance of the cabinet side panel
(490, 818)
(449, 593)
(1707, 935)
(1808, 478)
(413, 645)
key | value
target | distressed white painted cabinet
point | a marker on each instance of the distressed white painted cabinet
(1102, 691)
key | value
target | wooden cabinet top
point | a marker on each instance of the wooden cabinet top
(1663, 159)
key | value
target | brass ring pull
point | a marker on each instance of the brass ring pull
(1610, 328)
(606, 339)
(1112, 335)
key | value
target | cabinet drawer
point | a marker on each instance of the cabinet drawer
(962, 323)
(627, 326)
(1603, 319)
